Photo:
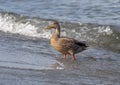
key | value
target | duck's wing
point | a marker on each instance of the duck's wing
(70, 43)
(82, 43)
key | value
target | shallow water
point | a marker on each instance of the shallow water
(33, 61)
(25, 54)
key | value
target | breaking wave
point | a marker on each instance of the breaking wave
(103, 35)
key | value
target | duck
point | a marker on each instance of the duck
(65, 45)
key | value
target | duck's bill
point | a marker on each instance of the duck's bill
(49, 27)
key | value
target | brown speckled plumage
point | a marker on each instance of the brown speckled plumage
(63, 44)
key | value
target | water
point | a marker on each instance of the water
(95, 11)
(26, 56)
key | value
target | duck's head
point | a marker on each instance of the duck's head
(53, 25)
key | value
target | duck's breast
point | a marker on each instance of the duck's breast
(58, 46)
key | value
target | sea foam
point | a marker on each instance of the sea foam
(10, 23)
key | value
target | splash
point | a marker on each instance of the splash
(22, 25)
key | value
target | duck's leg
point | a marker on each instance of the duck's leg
(73, 57)
(64, 56)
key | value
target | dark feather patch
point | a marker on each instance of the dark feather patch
(81, 44)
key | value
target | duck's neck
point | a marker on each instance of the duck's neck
(56, 33)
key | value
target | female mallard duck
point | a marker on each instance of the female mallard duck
(63, 44)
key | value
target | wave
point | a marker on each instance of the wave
(18, 24)
(103, 35)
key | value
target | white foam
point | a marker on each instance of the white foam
(58, 65)
(9, 24)
(106, 30)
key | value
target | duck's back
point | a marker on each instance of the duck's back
(68, 45)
